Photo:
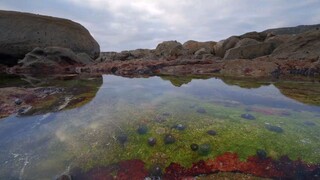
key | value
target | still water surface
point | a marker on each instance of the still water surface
(161, 120)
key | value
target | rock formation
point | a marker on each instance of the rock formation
(20, 33)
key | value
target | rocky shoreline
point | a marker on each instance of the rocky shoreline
(272, 53)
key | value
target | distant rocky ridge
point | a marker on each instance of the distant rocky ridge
(21, 33)
(271, 53)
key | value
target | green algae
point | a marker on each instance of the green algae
(234, 134)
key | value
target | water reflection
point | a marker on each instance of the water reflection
(145, 124)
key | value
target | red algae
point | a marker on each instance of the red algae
(284, 168)
(229, 162)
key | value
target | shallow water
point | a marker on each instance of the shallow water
(278, 119)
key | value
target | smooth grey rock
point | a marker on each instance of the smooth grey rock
(21, 32)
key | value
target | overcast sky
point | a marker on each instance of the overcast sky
(130, 24)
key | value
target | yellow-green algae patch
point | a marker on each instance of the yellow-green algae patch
(234, 134)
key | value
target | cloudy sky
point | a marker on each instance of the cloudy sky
(130, 24)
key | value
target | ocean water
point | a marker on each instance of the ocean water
(158, 121)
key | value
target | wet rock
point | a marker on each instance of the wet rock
(272, 128)
(201, 110)
(64, 177)
(194, 147)
(152, 141)
(169, 139)
(179, 127)
(142, 129)
(212, 132)
(122, 138)
(248, 116)
(155, 172)
(262, 154)
(18, 101)
(309, 123)
(160, 119)
(204, 149)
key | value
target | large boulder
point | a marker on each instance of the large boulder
(193, 46)
(299, 47)
(53, 59)
(249, 51)
(20, 33)
(222, 46)
(169, 50)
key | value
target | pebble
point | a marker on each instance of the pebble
(201, 110)
(194, 147)
(272, 128)
(212, 132)
(169, 139)
(18, 101)
(152, 141)
(142, 129)
(204, 149)
(309, 123)
(262, 154)
(64, 177)
(122, 138)
(179, 127)
(155, 172)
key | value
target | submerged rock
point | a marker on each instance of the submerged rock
(122, 138)
(64, 177)
(142, 129)
(160, 119)
(309, 123)
(272, 128)
(204, 149)
(155, 172)
(166, 114)
(212, 132)
(201, 110)
(262, 154)
(152, 141)
(179, 127)
(194, 147)
(248, 116)
(169, 139)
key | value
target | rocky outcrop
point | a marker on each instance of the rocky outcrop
(20, 33)
(302, 46)
(52, 59)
